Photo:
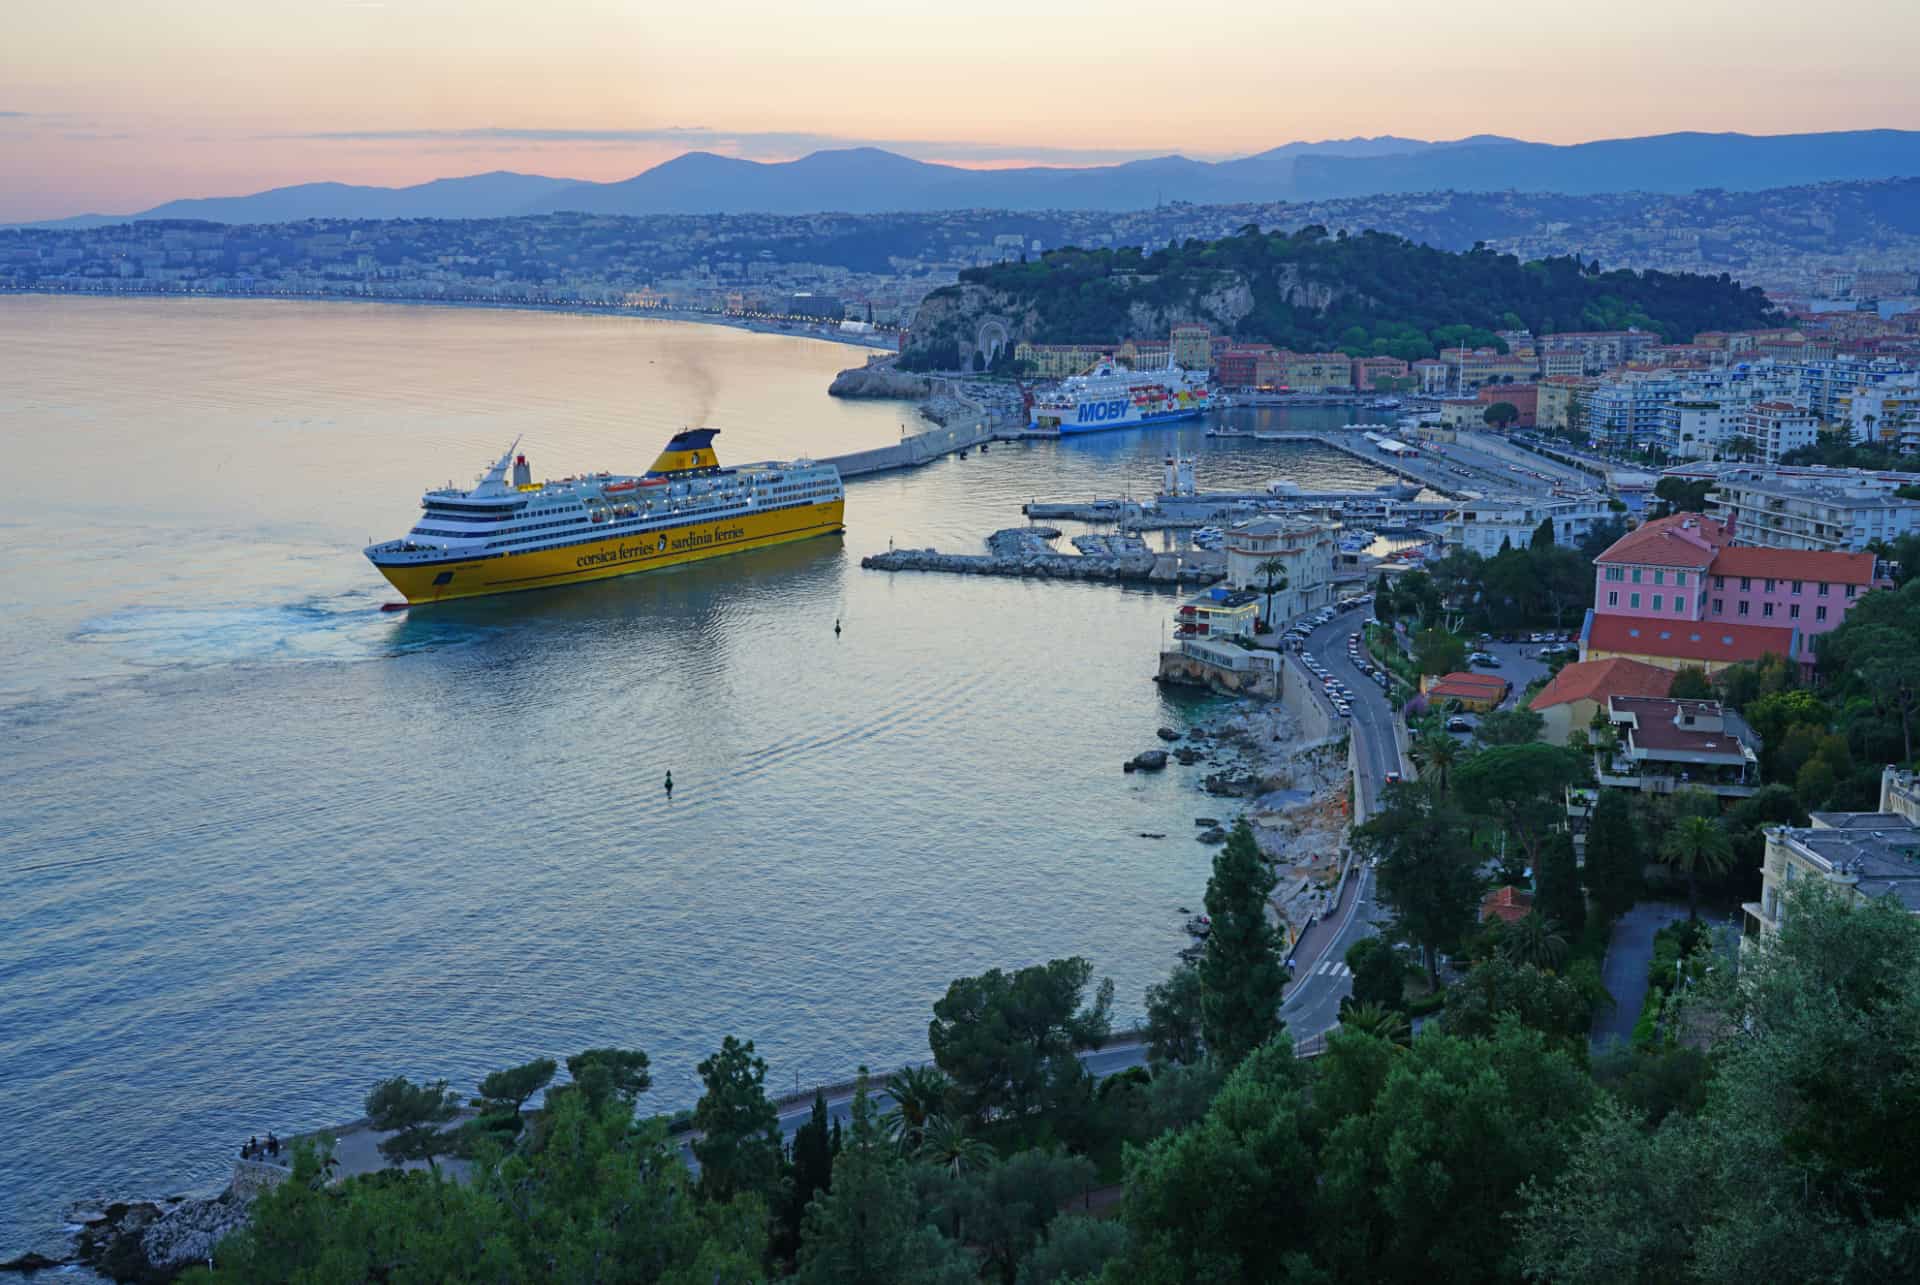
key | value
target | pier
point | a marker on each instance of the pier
(1025, 552)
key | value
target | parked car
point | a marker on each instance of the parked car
(1458, 724)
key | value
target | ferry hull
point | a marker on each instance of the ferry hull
(1145, 421)
(626, 554)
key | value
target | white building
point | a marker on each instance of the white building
(1695, 430)
(1774, 428)
(1483, 526)
(1807, 507)
(1305, 550)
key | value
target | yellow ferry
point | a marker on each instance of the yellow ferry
(508, 534)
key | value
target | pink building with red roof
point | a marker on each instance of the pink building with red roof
(1659, 569)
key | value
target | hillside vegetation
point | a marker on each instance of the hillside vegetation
(1368, 294)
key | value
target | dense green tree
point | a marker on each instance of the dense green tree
(607, 1074)
(1273, 579)
(1679, 495)
(1502, 989)
(1435, 651)
(1748, 820)
(416, 1115)
(1420, 1185)
(1502, 415)
(1376, 1020)
(1558, 894)
(1073, 1250)
(1803, 1162)
(507, 1091)
(1379, 975)
(602, 1198)
(1516, 726)
(1523, 787)
(1614, 856)
(1690, 682)
(1542, 535)
(809, 1172)
(1697, 845)
(998, 1035)
(1231, 1198)
(1241, 971)
(737, 1128)
(1174, 1017)
(1003, 1210)
(1426, 868)
(867, 1229)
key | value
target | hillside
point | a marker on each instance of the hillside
(1309, 291)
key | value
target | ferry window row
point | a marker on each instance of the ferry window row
(537, 526)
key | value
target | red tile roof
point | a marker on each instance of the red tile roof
(1465, 686)
(1681, 540)
(1794, 564)
(1687, 640)
(1596, 680)
(1506, 904)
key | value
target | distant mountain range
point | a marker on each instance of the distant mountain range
(869, 180)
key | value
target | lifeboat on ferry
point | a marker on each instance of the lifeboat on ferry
(614, 488)
(651, 481)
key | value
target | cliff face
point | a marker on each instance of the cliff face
(972, 316)
(879, 381)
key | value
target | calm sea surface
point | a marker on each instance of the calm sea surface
(263, 844)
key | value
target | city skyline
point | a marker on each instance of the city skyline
(115, 108)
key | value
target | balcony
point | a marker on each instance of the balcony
(1653, 778)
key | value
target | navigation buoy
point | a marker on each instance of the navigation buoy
(669, 782)
(836, 626)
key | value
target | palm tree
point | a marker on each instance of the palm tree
(947, 1144)
(1378, 1021)
(1695, 844)
(1535, 939)
(1273, 578)
(1437, 752)
(918, 1093)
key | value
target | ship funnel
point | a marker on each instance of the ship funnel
(522, 475)
(690, 451)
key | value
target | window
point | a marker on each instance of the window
(1743, 608)
(1719, 606)
(1824, 586)
(1852, 589)
(1680, 578)
(1746, 584)
(1659, 577)
(1613, 597)
(1793, 612)
(1658, 603)
(1819, 613)
(1636, 575)
(1719, 582)
(1771, 585)
(1766, 609)
(1798, 585)
(1633, 600)
(1616, 573)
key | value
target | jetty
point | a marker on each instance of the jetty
(1027, 552)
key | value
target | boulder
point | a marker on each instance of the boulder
(188, 1232)
(31, 1262)
(1150, 760)
(1215, 835)
(1167, 734)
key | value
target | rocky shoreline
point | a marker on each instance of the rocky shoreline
(1292, 793)
(148, 1242)
(1025, 552)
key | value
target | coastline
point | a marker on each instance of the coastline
(748, 324)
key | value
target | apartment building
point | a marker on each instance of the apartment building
(1192, 347)
(1659, 570)
(1484, 525)
(1771, 429)
(1809, 507)
(1864, 855)
(1303, 547)
(1810, 591)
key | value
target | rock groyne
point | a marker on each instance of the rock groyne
(1024, 552)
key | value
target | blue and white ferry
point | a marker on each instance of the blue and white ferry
(1111, 396)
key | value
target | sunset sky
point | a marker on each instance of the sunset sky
(116, 105)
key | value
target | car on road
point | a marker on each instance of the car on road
(1486, 660)
(1393, 778)
(1458, 724)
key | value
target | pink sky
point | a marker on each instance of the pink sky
(117, 105)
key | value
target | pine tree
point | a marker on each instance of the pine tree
(739, 1144)
(1559, 899)
(1614, 860)
(1240, 972)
